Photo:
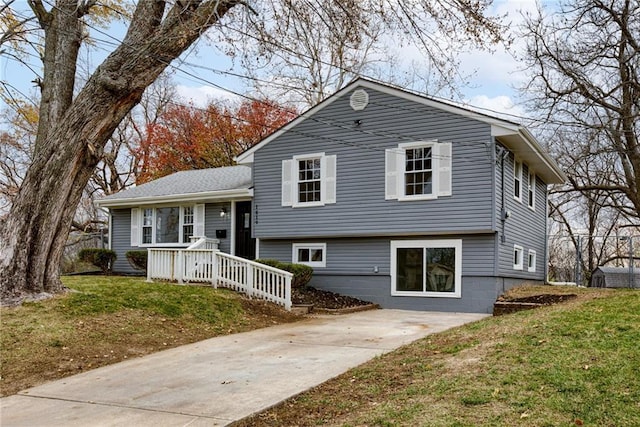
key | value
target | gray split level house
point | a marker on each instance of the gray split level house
(390, 196)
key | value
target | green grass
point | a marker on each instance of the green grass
(571, 364)
(104, 320)
(107, 294)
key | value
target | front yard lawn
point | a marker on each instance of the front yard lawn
(576, 363)
(106, 319)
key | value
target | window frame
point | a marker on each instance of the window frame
(517, 179)
(181, 225)
(296, 178)
(531, 191)
(531, 266)
(310, 246)
(290, 180)
(518, 257)
(427, 244)
(402, 170)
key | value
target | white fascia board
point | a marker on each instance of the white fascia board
(532, 142)
(177, 198)
(520, 135)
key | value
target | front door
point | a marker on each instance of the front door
(245, 245)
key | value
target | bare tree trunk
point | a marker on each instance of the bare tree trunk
(33, 234)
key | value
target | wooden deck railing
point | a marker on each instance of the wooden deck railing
(221, 269)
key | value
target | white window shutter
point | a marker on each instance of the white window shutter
(198, 220)
(444, 160)
(329, 179)
(135, 227)
(287, 183)
(393, 159)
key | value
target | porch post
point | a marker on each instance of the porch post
(180, 265)
(214, 268)
(149, 264)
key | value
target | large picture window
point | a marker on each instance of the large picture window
(166, 225)
(426, 268)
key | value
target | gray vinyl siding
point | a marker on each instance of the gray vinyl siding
(525, 227)
(213, 222)
(351, 264)
(121, 240)
(361, 208)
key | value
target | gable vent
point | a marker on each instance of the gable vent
(359, 99)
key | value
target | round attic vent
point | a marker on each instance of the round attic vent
(359, 99)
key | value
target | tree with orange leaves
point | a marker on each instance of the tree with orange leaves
(187, 137)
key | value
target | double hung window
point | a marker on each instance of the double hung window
(517, 180)
(309, 180)
(531, 191)
(531, 261)
(418, 171)
(518, 254)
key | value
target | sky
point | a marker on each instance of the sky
(493, 86)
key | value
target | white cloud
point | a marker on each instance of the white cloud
(200, 96)
(500, 106)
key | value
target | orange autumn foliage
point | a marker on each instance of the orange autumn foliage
(187, 138)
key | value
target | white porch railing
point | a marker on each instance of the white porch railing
(221, 269)
(203, 243)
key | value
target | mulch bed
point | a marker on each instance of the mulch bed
(324, 299)
(544, 299)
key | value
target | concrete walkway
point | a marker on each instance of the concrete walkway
(220, 380)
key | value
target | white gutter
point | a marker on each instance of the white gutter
(170, 198)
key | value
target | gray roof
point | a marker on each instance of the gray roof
(617, 270)
(190, 182)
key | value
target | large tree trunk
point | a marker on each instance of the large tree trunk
(33, 234)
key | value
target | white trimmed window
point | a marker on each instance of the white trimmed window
(311, 254)
(531, 191)
(426, 268)
(166, 225)
(517, 180)
(518, 254)
(531, 261)
(418, 171)
(309, 180)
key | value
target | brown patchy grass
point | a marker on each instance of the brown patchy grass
(570, 364)
(109, 319)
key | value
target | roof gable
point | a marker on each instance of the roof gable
(512, 135)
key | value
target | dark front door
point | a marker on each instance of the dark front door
(245, 245)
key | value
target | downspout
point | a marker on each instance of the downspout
(504, 213)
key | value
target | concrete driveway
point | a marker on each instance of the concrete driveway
(220, 380)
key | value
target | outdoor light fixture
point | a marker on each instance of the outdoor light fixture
(223, 212)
